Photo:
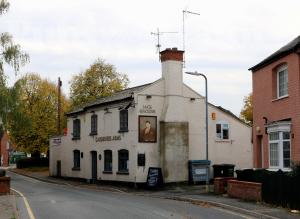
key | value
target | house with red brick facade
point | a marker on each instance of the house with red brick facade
(276, 108)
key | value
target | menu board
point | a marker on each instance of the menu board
(154, 178)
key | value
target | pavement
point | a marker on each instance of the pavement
(196, 195)
(8, 204)
(8, 207)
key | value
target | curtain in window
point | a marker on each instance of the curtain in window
(107, 160)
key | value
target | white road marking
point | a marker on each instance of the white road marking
(30, 214)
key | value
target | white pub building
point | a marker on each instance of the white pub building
(160, 124)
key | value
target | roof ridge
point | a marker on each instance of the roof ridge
(283, 51)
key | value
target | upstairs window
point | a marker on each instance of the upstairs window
(107, 160)
(222, 130)
(76, 129)
(94, 121)
(76, 160)
(282, 81)
(123, 160)
(124, 120)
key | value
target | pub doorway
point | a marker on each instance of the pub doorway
(94, 166)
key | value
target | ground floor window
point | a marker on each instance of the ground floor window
(108, 160)
(280, 149)
(76, 159)
(123, 160)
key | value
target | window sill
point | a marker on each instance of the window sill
(76, 138)
(275, 169)
(280, 98)
(76, 168)
(93, 133)
(123, 173)
(123, 130)
(223, 140)
(107, 172)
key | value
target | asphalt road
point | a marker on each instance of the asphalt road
(63, 202)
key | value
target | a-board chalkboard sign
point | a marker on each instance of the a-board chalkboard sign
(154, 178)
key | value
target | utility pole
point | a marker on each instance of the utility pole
(59, 84)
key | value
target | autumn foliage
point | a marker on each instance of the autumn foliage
(247, 111)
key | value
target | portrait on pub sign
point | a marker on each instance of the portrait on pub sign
(147, 129)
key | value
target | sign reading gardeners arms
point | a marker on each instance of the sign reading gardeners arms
(108, 138)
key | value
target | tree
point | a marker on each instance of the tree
(247, 111)
(4, 5)
(100, 80)
(10, 53)
(37, 100)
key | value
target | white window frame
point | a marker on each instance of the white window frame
(280, 128)
(280, 69)
(222, 123)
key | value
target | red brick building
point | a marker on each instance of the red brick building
(276, 108)
(4, 150)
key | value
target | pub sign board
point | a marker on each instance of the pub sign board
(154, 178)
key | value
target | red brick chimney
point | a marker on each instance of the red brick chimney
(171, 54)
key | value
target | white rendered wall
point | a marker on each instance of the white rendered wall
(236, 150)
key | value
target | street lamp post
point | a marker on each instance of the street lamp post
(206, 112)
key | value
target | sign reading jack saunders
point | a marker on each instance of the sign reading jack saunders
(147, 109)
(108, 138)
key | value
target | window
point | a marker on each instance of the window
(222, 130)
(123, 160)
(76, 160)
(94, 120)
(282, 81)
(124, 120)
(76, 129)
(280, 150)
(107, 161)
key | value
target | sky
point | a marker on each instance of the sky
(64, 37)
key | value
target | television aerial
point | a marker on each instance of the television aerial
(158, 34)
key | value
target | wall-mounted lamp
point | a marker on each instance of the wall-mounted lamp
(106, 110)
(257, 129)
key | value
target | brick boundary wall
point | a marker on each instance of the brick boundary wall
(244, 190)
(220, 184)
(4, 185)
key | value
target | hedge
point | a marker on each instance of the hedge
(32, 162)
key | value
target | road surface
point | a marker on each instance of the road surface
(51, 201)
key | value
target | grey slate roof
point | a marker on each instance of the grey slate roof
(127, 94)
(118, 96)
(292, 46)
